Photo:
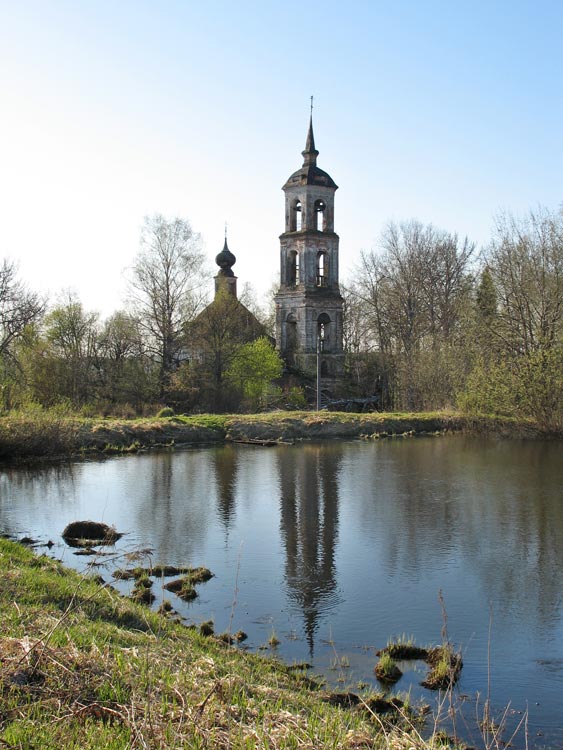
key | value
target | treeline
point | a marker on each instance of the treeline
(142, 357)
(429, 324)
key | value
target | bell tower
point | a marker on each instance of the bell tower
(308, 302)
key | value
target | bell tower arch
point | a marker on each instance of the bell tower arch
(308, 302)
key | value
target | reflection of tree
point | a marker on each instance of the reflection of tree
(491, 509)
(225, 462)
(409, 504)
(173, 509)
(309, 526)
(516, 527)
(41, 488)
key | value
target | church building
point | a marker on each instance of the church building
(212, 339)
(308, 302)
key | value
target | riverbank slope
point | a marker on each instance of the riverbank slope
(44, 434)
(81, 666)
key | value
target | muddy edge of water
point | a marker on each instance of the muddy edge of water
(27, 438)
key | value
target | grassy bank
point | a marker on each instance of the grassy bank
(50, 434)
(82, 667)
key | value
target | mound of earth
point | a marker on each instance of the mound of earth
(89, 533)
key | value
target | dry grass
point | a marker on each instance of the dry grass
(82, 667)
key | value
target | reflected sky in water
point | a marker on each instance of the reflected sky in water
(336, 547)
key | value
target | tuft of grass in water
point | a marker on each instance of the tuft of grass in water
(340, 662)
(404, 647)
(199, 575)
(183, 588)
(207, 628)
(386, 670)
(273, 640)
(165, 608)
(445, 667)
(142, 590)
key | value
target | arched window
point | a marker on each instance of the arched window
(320, 207)
(291, 343)
(293, 278)
(322, 269)
(296, 216)
(323, 331)
(325, 372)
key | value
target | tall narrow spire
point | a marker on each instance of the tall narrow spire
(310, 154)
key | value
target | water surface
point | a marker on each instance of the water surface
(335, 547)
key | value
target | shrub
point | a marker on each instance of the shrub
(166, 412)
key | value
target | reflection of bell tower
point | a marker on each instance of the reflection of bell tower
(308, 303)
(309, 527)
(225, 460)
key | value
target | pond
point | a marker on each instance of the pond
(334, 548)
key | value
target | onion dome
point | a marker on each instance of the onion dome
(225, 260)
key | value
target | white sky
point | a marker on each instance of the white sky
(445, 112)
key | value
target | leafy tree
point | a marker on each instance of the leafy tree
(58, 356)
(166, 287)
(519, 322)
(526, 387)
(253, 368)
(212, 341)
(486, 298)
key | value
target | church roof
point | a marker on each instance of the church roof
(310, 174)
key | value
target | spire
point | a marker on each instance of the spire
(310, 154)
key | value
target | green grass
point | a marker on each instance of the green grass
(43, 433)
(81, 666)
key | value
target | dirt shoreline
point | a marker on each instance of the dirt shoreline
(25, 438)
(292, 428)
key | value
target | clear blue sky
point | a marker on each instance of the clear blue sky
(442, 111)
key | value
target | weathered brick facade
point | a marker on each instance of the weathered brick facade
(308, 303)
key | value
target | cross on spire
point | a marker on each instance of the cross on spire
(310, 154)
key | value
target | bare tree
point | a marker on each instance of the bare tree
(126, 374)
(166, 286)
(448, 283)
(72, 335)
(412, 296)
(525, 261)
(18, 307)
